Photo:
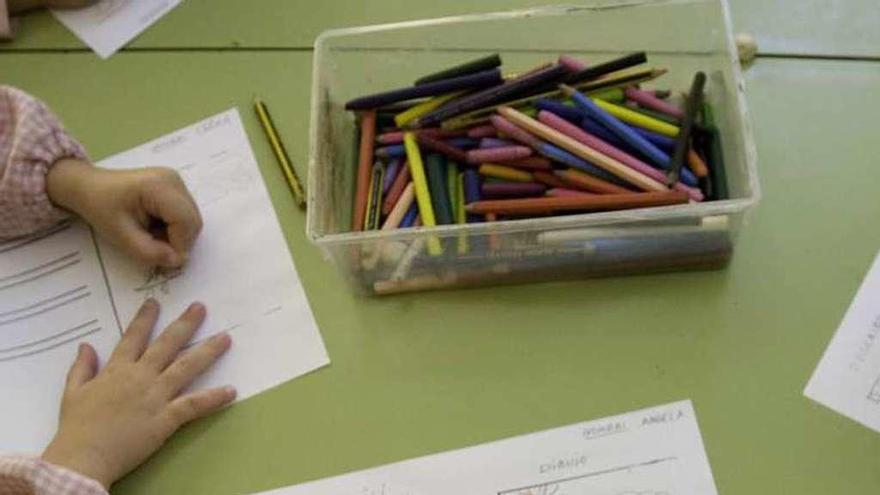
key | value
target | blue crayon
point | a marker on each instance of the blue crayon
(471, 186)
(393, 151)
(390, 174)
(593, 127)
(571, 114)
(596, 129)
(564, 157)
(621, 130)
(463, 142)
(410, 217)
(472, 192)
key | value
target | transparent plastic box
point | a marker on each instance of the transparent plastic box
(683, 36)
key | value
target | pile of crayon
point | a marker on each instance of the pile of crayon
(470, 145)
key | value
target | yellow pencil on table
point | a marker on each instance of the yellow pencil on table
(280, 153)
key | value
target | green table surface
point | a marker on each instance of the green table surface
(824, 27)
(429, 372)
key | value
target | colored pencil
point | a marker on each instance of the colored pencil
(391, 151)
(365, 163)
(637, 119)
(470, 67)
(451, 181)
(484, 155)
(491, 142)
(423, 197)
(608, 67)
(511, 190)
(391, 172)
(471, 186)
(481, 115)
(481, 131)
(474, 81)
(617, 127)
(435, 168)
(683, 145)
(647, 112)
(601, 146)
(400, 209)
(374, 200)
(460, 213)
(562, 192)
(590, 125)
(550, 179)
(552, 152)
(492, 95)
(280, 152)
(411, 214)
(604, 202)
(581, 150)
(589, 183)
(696, 164)
(648, 100)
(428, 106)
(506, 173)
(530, 163)
(396, 137)
(717, 172)
(397, 187)
(442, 147)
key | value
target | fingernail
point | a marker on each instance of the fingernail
(196, 307)
(223, 338)
(80, 349)
(230, 391)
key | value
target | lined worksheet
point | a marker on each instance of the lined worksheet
(64, 286)
(108, 25)
(240, 267)
(52, 297)
(656, 451)
(847, 379)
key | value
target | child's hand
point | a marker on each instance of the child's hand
(147, 212)
(113, 421)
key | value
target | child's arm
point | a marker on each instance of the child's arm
(44, 174)
(31, 141)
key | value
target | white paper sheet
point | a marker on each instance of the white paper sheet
(847, 379)
(109, 24)
(656, 451)
(52, 297)
(239, 268)
(65, 287)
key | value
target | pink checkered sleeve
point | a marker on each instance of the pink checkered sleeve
(32, 476)
(32, 139)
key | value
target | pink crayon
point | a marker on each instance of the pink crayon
(396, 137)
(493, 155)
(571, 63)
(578, 134)
(482, 131)
(648, 100)
(495, 143)
(510, 129)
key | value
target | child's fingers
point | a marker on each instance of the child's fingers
(143, 246)
(176, 208)
(136, 337)
(165, 348)
(193, 406)
(193, 363)
(84, 367)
